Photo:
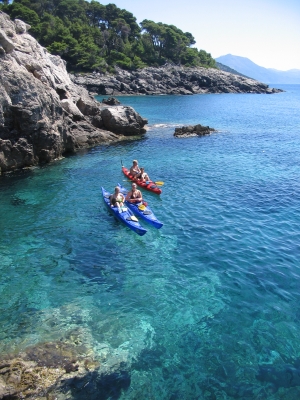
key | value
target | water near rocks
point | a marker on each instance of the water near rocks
(208, 307)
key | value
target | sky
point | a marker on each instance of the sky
(265, 31)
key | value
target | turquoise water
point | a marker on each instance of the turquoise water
(208, 307)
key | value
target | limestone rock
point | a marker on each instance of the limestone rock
(43, 114)
(21, 27)
(122, 120)
(5, 42)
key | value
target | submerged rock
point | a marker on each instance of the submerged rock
(62, 369)
(43, 114)
(196, 130)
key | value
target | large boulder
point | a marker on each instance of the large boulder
(123, 120)
(43, 114)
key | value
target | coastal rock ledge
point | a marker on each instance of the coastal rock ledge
(43, 114)
(193, 130)
(169, 79)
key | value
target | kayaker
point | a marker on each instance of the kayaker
(144, 176)
(134, 195)
(117, 198)
(135, 170)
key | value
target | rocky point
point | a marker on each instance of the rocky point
(43, 114)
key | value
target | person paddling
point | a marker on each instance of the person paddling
(135, 170)
(144, 177)
(117, 198)
(134, 195)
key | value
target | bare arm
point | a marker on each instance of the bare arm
(128, 196)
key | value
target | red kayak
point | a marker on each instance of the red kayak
(149, 185)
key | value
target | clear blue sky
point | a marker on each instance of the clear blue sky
(265, 31)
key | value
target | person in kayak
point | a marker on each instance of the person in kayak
(117, 198)
(135, 170)
(134, 195)
(144, 177)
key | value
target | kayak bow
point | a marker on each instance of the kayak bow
(124, 215)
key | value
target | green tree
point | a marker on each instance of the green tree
(95, 13)
(89, 35)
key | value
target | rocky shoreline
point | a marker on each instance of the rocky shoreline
(171, 80)
(43, 114)
(46, 113)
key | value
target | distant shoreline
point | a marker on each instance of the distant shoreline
(170, 80)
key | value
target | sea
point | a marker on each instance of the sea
(208, 306)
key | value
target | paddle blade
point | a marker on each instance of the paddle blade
(160, 183)
(132, 218)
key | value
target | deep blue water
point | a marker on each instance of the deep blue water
(208, 307)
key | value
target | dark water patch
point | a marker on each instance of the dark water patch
(285, 376)
(95, 386)
(150, 358)
(17, 201)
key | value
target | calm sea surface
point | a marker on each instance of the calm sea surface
(208, 307)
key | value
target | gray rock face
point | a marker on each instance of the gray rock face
(170, 80)
(122, 120)
(193, 130)
(43, 114)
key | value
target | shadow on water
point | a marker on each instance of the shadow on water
(95, 386)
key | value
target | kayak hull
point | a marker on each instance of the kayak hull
(145, 213)
(150, 185)
(124, 216)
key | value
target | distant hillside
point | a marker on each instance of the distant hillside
(225, 68)
(266, 75)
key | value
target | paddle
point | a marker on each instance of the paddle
(132, 218)
(158, 183)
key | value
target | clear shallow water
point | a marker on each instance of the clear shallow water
(207, 307)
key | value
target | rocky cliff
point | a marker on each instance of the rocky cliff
(170, 79)
(43, 114)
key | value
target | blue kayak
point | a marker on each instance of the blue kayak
(124, 215)
(142, 210)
